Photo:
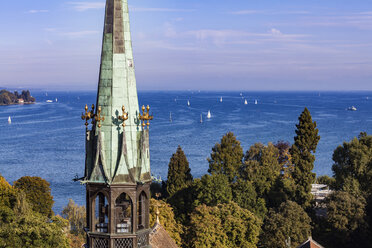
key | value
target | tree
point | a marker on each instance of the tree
(38, 194)
(166, 218)
(346, 220)
(179, 172)
(261, 167)
(76, 216)
(224, 226)
(226, 157)
(212, 190)
(353, 166)
(20, 226)
(244, 194)
(305, 143)
(288, 221)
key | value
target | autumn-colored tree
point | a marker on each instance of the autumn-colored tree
(305, 143)
(224, 226)
(38, 194)
(179, 172)
(226, 157)
(289, 221)
(20, 226)
(166, 218)
(76, 216)
(285, 158)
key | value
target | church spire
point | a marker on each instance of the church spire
(117, 147)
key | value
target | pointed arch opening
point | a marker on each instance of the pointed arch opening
(142, 211)
(101, 213)
(124, 214)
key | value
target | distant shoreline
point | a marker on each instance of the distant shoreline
(8, 98)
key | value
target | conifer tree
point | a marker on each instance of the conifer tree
(226, 157)
(302, 150)
(179, 172)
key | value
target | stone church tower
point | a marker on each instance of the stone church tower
(117, 168)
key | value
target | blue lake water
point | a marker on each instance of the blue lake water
(47, 139)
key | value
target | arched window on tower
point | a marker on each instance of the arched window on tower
(101, 213)
(141, 213)
(123, 214)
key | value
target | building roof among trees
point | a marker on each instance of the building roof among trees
(310, 243)
(159, 238)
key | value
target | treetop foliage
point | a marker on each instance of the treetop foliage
(179, 172)
(226, 157)
(38, 194)
(353, 165)
(305, 143)
(225, 225)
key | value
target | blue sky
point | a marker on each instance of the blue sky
(194, 44)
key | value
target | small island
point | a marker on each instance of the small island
(8, 98)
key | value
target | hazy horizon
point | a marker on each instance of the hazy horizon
(208, 45)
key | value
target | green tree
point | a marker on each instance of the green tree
(353, 166)
(261, 167)
(305, 143)
(212, 190)
(224, 226)
(76, 216)
(244, 194)
(288, 221)
(179, 172)
(38, 194)
(182, 203)
(226, 157)
(166, 218)
(20, 226)
(346, 224)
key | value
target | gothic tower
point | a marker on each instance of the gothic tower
(117, 167)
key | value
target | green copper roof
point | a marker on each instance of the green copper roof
(117, 154)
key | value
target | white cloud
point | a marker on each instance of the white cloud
(83, 6)
(35, 11)
(275, 31)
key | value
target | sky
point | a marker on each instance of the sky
(193, 45)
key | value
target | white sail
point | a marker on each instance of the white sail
(188, 103)
(256, 102)
(209, 114)
(245, 102)
(201, 118)
(221, 99)
(9, 120)
(56, 100)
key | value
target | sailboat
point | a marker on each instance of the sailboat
(201, 118)
(9, 120)
(170, 117)
(245, 102)
(209, 114)
(256, 102)
(56, 100)
(221, 99)
(188, 103)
